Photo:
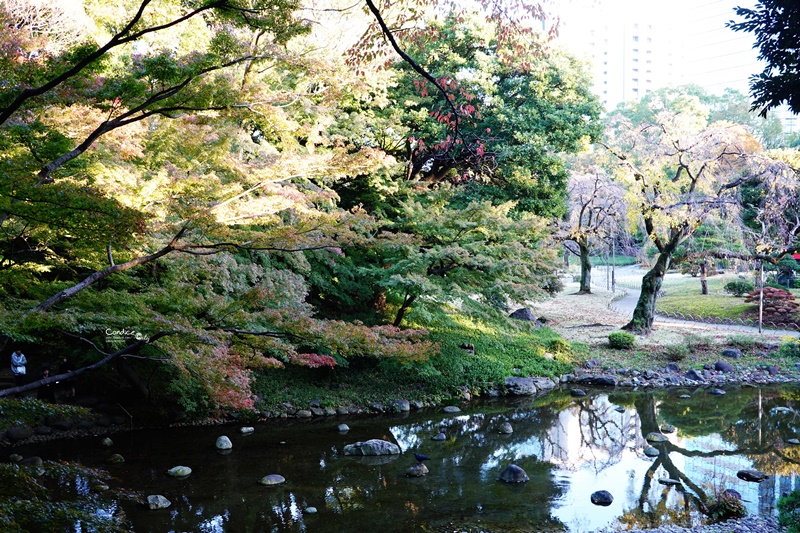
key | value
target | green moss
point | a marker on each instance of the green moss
(31, 412)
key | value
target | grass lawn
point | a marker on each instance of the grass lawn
(682, 295)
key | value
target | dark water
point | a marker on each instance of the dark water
(569, 447)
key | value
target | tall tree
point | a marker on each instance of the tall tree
(776, 26)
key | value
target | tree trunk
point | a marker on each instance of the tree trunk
(703, 279)
(407, 301)
(586, 269)
(642, 321)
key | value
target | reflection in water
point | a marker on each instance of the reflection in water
(569, 448)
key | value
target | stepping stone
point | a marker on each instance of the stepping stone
(602, 497)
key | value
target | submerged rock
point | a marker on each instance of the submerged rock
(656, 438)
(179, 471)
(224, 443)
(247, 430)
(514, 474)
(272, 479)
(157, 501)
(651, 451)
(417, 470)
(439, 437)
(506, 429)
(667, 428)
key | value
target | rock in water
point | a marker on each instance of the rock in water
(343, 428)
(602, 497)
(667, 428)
(179, 471)
(656, 438)
(115, 459)
(439, 437)
(272, 479)
(224, 443)
(506, 429)
(514, 474)
(372, 447)
(751, 475)
(247, 430)
(417, 470)
(650, 451)
(157, 501)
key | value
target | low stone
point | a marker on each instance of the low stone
(272, 479)
(708, 374)
(523, 314)
(33, 460)
(772, 370)
(18, 433)
(514, 474)
(669, 481)
(15, 458)
(179, 471)
(597, 379)
(506, 429)
(315, 403)
(723, 366)
(317, 411)
(100, 487)
(439, 437)
(157, 501)
(708, 366)
(717, 392)
(451, 409)
(417, 470)
(376, 407)
(592, 363)
(656, 438)
(672, 368)
(224, 443)
(650, 451)
(793, 441)
(311, 510)
(304, 413)
(733, 353)
(417, 404)
(602, 497)
(667, 428)
(694, 375)
(753, 476)
(685, 396)
(115, 459)
(578, 392)
(106, 442)
(247, 430)
(401, 406)
(372, 447)
(330, 411)
(544, 384)
(619, 409)
(342, 411)
(520, 386)
(342, 428)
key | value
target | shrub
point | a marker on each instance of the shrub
(789, 348)
(726, 507)
(621, 340)
(789, 512)
(677, 352)
(695, 342)
(779, 305)
(744, 342)
(559, 346)
(738, 287)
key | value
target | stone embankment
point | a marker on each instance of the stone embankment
(750, 524)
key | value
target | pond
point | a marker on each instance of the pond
(570, 447)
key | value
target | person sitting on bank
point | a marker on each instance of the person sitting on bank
(18, 362)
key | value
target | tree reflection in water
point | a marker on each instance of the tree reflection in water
(569, 447)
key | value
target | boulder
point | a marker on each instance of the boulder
(597, 379)
(417, 470)
(694, 375)
(372, 447)
(544, 384)
(523, 314)
(272, 479)
(651, 451)
(451, 409)
(667, 428)
(672, 368)
(656, 438)
(304, 413)
(578, 392)
(723, 366)
(753, 476)
(506, 429)
(602, 497)
(106, 442)
(772, 370)
(400, 406)
(179, 471)
(733, 353)
(376, 407)
(18, 433)
(514, 474)
(157, 501)
(317, 411)
(224, 443)
(342, 428)
(520, 386)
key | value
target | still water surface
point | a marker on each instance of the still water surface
(569, 447)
